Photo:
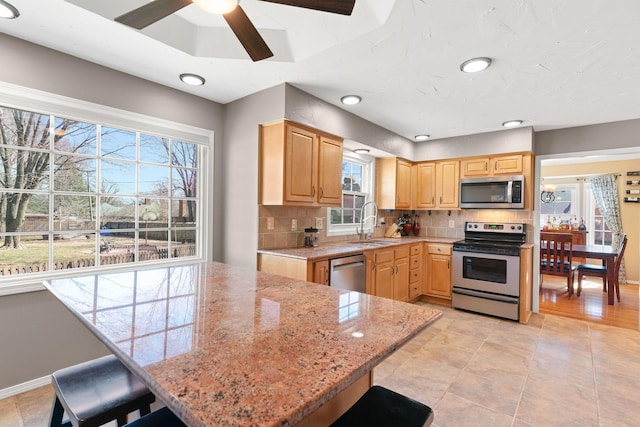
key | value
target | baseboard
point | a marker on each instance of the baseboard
(24, 387)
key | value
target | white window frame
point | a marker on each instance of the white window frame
(368, 174)
(28, 99)
(589, 216)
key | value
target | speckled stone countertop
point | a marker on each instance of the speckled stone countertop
(221, 345)
(334, 250)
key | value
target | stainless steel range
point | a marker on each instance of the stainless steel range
(486, 269)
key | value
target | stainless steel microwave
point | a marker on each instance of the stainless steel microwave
(498, 192)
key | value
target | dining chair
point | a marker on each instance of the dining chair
(556, 256)
(601, 270)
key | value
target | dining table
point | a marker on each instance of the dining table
(225, 345)
(607, 255)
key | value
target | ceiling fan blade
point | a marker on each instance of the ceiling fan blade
(151, 12)
(343, 7)
(248, 35)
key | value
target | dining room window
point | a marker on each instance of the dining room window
(81, 194)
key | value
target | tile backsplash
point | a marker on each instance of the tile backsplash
(435, 225)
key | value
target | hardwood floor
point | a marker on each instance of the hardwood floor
(592, 303)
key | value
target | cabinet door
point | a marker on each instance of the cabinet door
(425, 186)
(403, 185)
(384, 272)
(301, 165)
(448, 175)
(321, 272)
(439, 275)
(475, 167)
(401, 280)
(507, 165)
(330, 172)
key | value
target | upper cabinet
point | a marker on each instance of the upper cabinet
(299, 166)
(492, 166)
(393, 183)
(436, 185)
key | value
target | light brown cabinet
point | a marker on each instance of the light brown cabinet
(321, 272)
(438, 268)
(393, 183)
(436, 185)
(388, 272)
(492, 166)
(415, 271)
(299, 166)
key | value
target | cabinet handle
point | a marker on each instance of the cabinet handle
(396, 269)
(496, 165)
(432, 200)
(397, 199)
(313, 189)
(448, 265)
(321, 192)
(486, 166)
(440, 199)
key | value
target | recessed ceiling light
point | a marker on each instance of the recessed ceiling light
(7, 11)
(474, 65)
(192, 79)
(422, 137)
(361, 151)
(350, 99)
(512, 123)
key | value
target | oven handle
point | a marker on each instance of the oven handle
(485, 295)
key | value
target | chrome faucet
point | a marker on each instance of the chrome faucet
(361, 233)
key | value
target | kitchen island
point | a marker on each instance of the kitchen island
(221, 345)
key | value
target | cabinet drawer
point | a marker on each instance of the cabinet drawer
(402, 251)
(384, 256)
(414, 262)
(415, 276)
(443, 249)
(415, 249)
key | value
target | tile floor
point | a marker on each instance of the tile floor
(476, 370)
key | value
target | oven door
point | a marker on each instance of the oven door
(498, 274)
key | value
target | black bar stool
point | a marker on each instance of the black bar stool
(161, 418)
(381, 407)
(97, 392)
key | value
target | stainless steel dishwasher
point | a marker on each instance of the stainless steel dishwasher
(348, 273)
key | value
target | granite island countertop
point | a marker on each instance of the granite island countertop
(221, 345)
(340, 249)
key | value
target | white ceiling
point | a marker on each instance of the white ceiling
(557, 63)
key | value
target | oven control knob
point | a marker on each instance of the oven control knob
(519, 227)
(513, 227)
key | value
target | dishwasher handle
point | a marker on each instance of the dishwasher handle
(339, 267)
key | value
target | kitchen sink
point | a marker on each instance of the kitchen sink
(372, 242)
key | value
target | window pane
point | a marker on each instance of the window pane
(36, 217)
(73, 250)
(154, 180)
(184, 182)
(33, 257)
(184, 154)
(116, 247)
(184, 243)
(336, 216)
(154, 210)
(183, 211)
(31, 166)
(118, 143)
(74, 213)
(24, 128)
(118, 177)
(75, 137)
(72, 173)
(154, 149)
(117, 212)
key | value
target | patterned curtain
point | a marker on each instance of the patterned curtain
(605, 191)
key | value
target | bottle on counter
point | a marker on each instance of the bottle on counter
(416, 225)
(582, 226)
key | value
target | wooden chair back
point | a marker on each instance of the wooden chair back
(621, 248)
(556, 253)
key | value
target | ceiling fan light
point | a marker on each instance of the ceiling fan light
(7, 11)
(218, 7)
(192, 79)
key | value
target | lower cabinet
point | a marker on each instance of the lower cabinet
(415, 271)
(321, 272)
(438, 268)
(388, 272)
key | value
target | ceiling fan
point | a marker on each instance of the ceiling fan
(235, 16)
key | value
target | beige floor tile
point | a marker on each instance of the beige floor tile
(9, 414)
(562, 369)
(523, 339)
(500, 394)
(35, 406)
(576, 352)
(456, 411)
(456, 341)
(495, 359)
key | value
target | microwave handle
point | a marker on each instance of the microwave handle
(510, 191)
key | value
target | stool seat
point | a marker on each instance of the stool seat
(96, 392)
(381, 407)
(161, 418)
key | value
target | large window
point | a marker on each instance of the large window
(76, 194)
(357, 186)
